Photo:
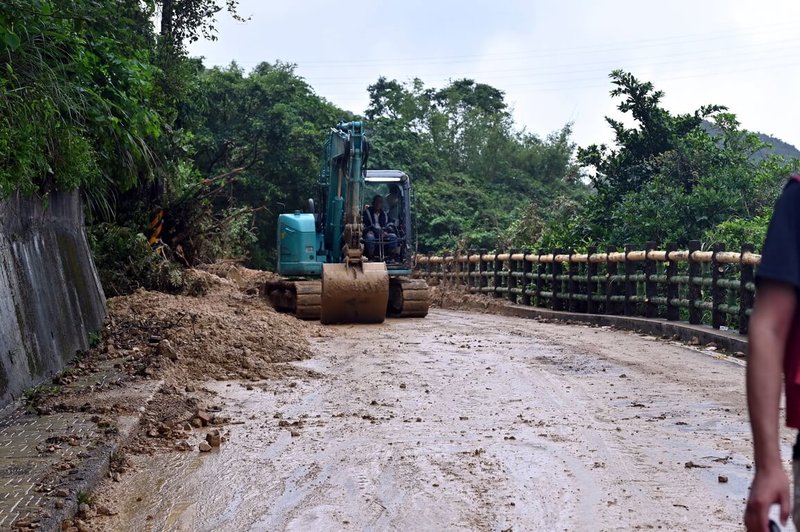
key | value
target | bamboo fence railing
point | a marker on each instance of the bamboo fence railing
(714, 287)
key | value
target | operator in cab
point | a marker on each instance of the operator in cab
(377, 230)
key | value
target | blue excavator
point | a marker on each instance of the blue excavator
(326, 271)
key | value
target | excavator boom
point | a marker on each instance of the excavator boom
(353, 290)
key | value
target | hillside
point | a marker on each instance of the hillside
(778, 147)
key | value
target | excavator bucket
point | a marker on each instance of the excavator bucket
(354, 294)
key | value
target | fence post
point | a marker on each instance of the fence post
(456, 268)
(717, 292)
(650, 284)
(630, 286)
(512, 280)
(673, 292)
(745, 295)
(611, 271)
(428, 267)
(572, 285)
(541, 269)
(462, 268)
(558, 270)
(496, 268)
(591, 284)
(470, 270)
(483, 278)
(526, 281)
(695, 290)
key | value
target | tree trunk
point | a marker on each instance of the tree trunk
(167, 14)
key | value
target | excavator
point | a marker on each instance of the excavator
(326, 271)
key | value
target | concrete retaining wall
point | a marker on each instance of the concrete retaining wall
(50, 294)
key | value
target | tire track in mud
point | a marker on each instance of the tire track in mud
(466, 422)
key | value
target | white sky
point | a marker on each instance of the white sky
(551, 58)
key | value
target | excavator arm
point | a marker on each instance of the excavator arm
(354, 290)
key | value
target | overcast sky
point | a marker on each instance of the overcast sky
(551, 58)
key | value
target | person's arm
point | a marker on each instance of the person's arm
(366, 220)
(770, 326)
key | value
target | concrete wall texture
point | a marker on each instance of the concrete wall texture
(51, 299)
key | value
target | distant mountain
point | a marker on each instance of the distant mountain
(778, 147)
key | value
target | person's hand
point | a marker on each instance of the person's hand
(770, 486)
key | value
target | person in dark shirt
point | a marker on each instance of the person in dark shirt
(775, 350)
(377, 230)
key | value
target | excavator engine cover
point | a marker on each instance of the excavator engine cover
(354, 294)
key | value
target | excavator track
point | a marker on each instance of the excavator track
(408, 298)
(301, 298)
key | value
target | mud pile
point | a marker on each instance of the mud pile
(457, 298)
(225, 334)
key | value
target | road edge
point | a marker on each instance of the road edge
(729, 341)
(94, 468)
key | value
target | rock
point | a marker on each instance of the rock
(82, 526)
(166, 350)
(694, 341)
(183, 445)
(203, 416)
(63, 493)
(294, 433)
(214, 438)
(189, 388)
(197, 422)
(105, 510)
(402, 385)
(83, 508)
(723, 479)
(187, 427)
(204, 447)
(116, 477)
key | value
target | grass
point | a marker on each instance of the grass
(35, 393)
(85, 498)
(94, 338)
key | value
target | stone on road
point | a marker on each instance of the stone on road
(465, 421)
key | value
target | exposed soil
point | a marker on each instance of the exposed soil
(461, 421)
(221, 330)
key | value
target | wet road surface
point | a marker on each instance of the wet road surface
(466, 421)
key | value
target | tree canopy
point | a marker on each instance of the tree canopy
(102, 96)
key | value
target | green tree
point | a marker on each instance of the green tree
(672, 178)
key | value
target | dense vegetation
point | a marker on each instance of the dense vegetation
(474, 172)
(94, 97)
(672, 178)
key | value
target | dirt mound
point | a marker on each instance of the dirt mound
(248, 281)
(456, 298)
(226, 334)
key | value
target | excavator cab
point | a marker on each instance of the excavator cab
(394, 187)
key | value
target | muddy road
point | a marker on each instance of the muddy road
(464, 421)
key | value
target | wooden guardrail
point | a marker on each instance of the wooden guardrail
(714, 287)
